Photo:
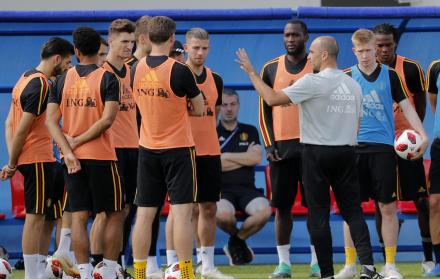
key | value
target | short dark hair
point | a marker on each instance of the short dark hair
(121, 26)
(160, 29)
(142, 26)
(56, 46)
(231, 92)
(87, 40)
(387, 29)
(301, 23)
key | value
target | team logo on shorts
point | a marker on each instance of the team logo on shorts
(244, 136)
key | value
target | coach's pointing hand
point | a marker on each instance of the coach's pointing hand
(244, 62)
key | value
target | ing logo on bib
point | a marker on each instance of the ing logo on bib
(150, 85)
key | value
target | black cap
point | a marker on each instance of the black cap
(178, 47)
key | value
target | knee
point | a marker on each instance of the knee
(208, 209)
(225, 216)
(434, 203)
(263, 214)
(388, 210)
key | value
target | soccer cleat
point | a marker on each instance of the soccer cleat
(427, 266)
(366, 273)
(59, 259)
(158, 274)
(283, 270)
(391, 272)
(315, 271)
(348, 271)
(216, 274)
(435, 272)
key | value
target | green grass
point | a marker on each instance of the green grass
(408, 270)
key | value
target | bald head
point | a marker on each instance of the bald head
(328, 44)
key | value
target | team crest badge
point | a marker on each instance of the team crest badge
(244, 136)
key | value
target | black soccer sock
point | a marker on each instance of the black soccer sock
(427, 248)
(97, 258)
(436, 248)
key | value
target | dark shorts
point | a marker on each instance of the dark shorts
(171, 171)
(241, 195)
(411, 179)
(209, 178)
(434, 170)
(377, 173)
(41, 193)
(127, 167)
(96, 187)
(285, 176)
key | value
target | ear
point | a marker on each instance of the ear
(57, 59)
(185, 47)
(354, 50)
(78, 54)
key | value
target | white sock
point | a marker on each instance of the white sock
(85, 271)
(71, 255)
(392, 266)
(123, 262)
(207, 254)
(284, 253)
(65, 241)
(152, 265)
(313, 259)
(41, 264)
(31, 265)
(199, 257)
(171, 257)
(109, 269)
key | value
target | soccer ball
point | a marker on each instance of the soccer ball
(5, 269)
(173, 272)
(406, 143)
(53, 269)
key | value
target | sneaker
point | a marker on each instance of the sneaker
(283, 270)
(216, 274)
(366, 273)
(234, 255)
(59, 259)
(315, 271)
(158, 274)
(391, 272)
(348, 271)
(435, 272)
(122, 273)
(427, 266)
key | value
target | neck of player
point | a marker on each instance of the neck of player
(160, 49)
(295, 59)
(115, 60)
(140, 53)
(87, 60)
(45, 68)
(197, 69)
(368, 69)
(229, 125)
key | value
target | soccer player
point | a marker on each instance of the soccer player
(282, 140)
(241, 152)
(30, 151)
(433, 82)
(381, 86)
(161, 87)
(102, 52)
(87, 99)
(412, 181)
(143, 44)
(328, 100)
(207, 148)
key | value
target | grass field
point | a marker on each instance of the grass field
(408, 270)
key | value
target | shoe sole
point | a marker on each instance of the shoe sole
(280, 276)
(67, 268)
(231, 263)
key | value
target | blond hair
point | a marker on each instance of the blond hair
(362, 36)
(197, 33)
(142, 26)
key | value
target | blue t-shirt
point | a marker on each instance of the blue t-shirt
(377, 124)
